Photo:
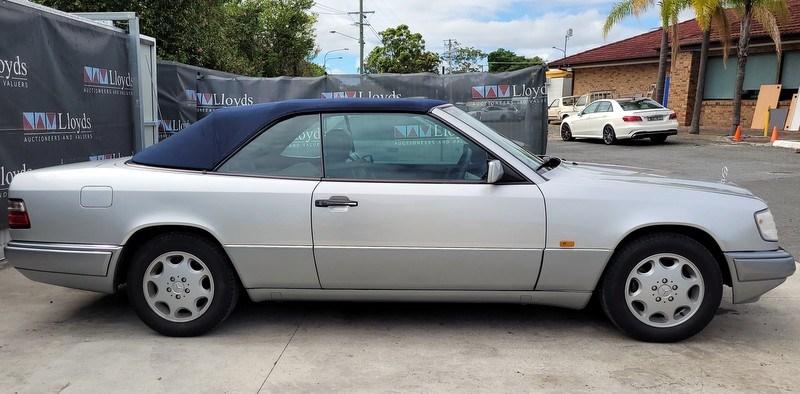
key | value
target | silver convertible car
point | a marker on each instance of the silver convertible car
(387, 200)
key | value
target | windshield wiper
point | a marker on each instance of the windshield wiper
(549, 161)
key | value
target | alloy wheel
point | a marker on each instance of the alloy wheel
(664, 290)
(178, 286)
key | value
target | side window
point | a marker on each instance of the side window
(290, 148)
(591, 108)
(581, 101)
(398, 147)
(604, 106)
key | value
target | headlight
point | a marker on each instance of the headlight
(766, 225)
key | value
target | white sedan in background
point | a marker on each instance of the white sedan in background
(615, 119)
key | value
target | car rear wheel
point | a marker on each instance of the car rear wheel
(658, 139)
(662, 288)
(609, 137)
(182, 284)
(566, 133)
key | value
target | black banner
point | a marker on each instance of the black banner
(513, 103)
(65, 92)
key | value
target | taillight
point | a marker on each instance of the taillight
(632, 118)
(673, 116)
(17, 215)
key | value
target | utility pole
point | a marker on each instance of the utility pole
(361, 16)
(451, 46)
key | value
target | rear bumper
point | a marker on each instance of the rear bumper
(652, 133)
(755, 273)
(79, 266)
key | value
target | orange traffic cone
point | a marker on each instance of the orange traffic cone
(738, 135)
(774, 136)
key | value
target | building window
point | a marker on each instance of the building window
(790, 78)
(761, 70)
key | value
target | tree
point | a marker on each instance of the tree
(503, 59)
(766, 12)
(402, 52)
(251, 37)
(466, 59)
(707, 12)
(626, 8)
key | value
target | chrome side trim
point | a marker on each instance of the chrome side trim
(763, 266)
(79, 266)
(572, 269)
(572, 300)
(274, 265)
(417, 268)
(755, 273)
(73, 259)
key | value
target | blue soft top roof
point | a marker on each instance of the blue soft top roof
(203, 145)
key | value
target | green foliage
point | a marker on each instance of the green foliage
(250, 37)
(505, 60)
(466, 59)
(402, 52)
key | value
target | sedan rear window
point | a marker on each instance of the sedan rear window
(634, 105)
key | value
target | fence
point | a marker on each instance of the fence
(513, 103)
(65, 91)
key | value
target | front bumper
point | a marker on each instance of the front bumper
(755, 273)
(79, 266)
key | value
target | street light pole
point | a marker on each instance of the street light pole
(566, 37)
(325, 58)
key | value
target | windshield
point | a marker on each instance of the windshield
(634, 105)
(511, 147)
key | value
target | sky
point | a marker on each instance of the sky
(527, 27)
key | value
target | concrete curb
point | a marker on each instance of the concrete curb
(790, 144)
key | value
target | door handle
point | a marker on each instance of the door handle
(336, 201)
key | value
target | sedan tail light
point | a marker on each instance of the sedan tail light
(632, 118)
(673, 115)
(18, 215)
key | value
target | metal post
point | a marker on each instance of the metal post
(136, 99)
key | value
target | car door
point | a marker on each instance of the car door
(405, 205)
(599, 118)
(582, 124)
(263, 211)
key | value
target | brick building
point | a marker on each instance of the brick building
(630, 67)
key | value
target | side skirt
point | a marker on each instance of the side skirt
(564, 299)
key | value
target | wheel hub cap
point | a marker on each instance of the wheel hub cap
(664, 290)
(178, 286)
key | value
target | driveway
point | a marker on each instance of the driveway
(54, 339)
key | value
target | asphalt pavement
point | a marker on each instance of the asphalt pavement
(60, 340)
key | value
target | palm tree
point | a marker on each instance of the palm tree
(708, 12)
(626, 8)
(765, 12)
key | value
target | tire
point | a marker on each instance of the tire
(195, 264)
(694, 280)
(609, 137)
(566, 133)
(658, 139)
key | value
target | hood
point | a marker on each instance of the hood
(643, 176)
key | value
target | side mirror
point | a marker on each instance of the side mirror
(495, 171)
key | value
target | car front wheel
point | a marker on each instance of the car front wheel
(662, 288)
(181, 284)
(566, 132)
